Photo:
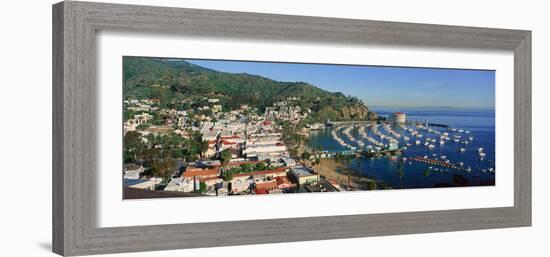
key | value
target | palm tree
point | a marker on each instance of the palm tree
(401, 174)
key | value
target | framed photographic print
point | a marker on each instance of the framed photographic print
(246, 128)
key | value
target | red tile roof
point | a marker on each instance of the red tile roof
(261, 191)
(209, 179)
(268, 185)
(201, 173)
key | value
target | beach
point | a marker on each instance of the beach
(329, 169)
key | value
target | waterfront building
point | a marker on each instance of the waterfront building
(399, 117)
(289, 162)
(303, 175)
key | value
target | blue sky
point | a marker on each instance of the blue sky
(380, 86)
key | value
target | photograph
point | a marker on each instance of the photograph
(196, 127)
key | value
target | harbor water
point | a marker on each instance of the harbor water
(465, 156)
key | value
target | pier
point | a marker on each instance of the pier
(375, 154)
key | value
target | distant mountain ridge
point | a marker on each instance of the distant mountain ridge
(170, 79)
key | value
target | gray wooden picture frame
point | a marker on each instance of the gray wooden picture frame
(75, 25)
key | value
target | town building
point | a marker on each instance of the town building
(180, 185)
(303, 176)
(139, 184)
(399, 117)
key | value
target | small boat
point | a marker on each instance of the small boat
(431, 146)
(462, 149)
(481, 154)
(461, 164)
(443, 157)
(480, 149)
(441, 142)
(417, 142)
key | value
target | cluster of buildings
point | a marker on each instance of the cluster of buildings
(249, 136)
(275, 180)
(287, 111)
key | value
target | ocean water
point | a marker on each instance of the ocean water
(411, 174)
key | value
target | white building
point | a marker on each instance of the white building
(180, 185)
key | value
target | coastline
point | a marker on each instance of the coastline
(328, 169)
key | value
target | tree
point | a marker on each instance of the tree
(132, 143)
(401, 174)
(164, 169)
(225, 157)
(372, 185)
(202, 187)
(260, 166)
(305, 155)
(426, 172)
(228, 176)
(203, 147)
(246, 167)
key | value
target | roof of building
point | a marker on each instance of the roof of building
(261, 191)
(261, 172)
(266, 184)
(132, 182)
(282, 180)
(301, 171)
(230, 137)
(201, 172)
(209, 179)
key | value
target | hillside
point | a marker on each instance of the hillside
(174, 79)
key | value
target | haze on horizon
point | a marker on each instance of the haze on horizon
(379, 86)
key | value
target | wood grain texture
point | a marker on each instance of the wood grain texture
(74, 126)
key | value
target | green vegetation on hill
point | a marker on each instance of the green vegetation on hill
(180, 84)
